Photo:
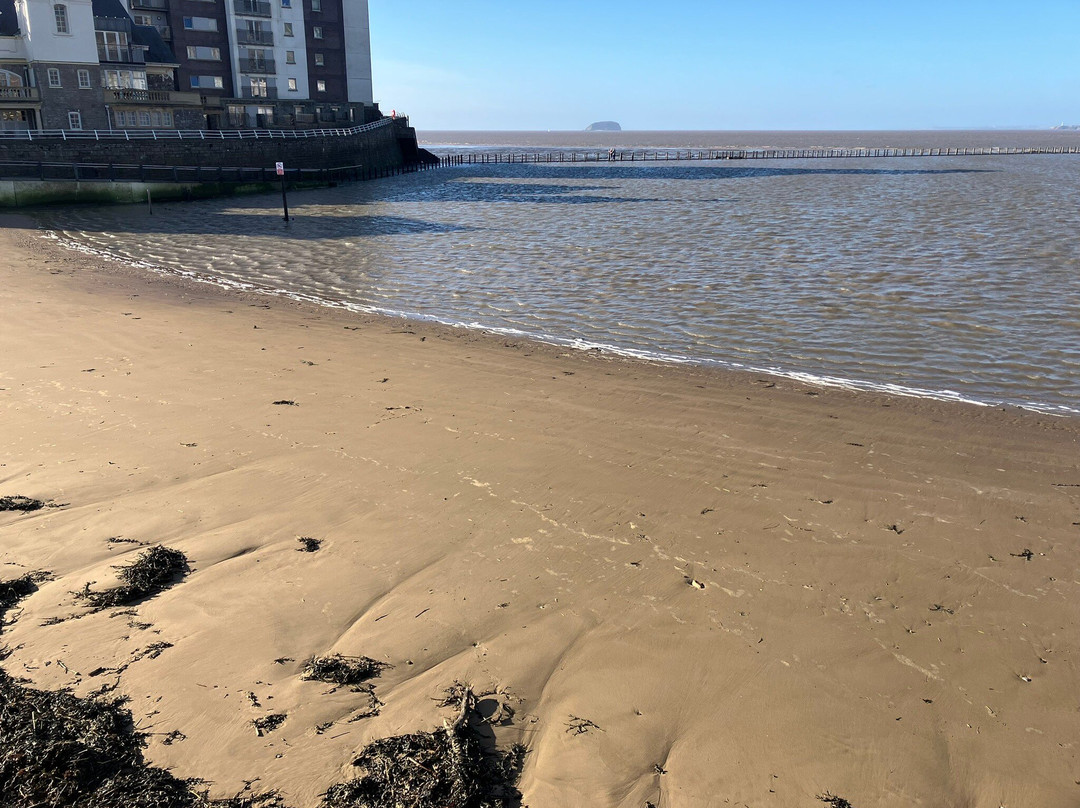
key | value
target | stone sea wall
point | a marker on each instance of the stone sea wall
(386, 149)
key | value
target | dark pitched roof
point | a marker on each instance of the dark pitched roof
(109, 8)
(156, 49)
(9, 20)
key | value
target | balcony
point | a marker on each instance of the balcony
(151, 5)
(259, 93)
(247, 36)
(22, 94)
(257, 66)
(112, 24)
(252, 8)
(122, 55)
(159, 97)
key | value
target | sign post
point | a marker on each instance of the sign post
(280, 168)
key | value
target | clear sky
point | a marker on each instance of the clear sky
(721, 64)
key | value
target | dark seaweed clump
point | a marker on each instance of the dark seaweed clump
(11, 592)
(308, 544)
(58, 750)
(834, 801)
(18, 503)
(447, 767)
(342, 670)
(268, 723)
(154, 570)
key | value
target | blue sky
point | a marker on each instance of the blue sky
(696, 64)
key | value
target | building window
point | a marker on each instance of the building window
(9, 79)
(123, 79)
(208, 82)
(126, 119)
(155, 118)
(292, 85)
(60, 12)
(290, 57)
(288, 29)
(317, 32)
(319, 60)
(286, 3)
(320, 86)
(257, 61)
(316, 5)
(167, 117)
(112, 46)
(144, 119)
(74, 120)
(200, 24)
(84, 79)
(204, 53)
(54, 77)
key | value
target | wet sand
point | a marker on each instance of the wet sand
(694, 588)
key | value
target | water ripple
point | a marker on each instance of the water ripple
(952, 277)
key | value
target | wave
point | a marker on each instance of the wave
(573, 343)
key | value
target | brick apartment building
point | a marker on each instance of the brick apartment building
(184, 64)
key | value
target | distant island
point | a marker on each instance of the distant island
(1063, 126)
(603, 126)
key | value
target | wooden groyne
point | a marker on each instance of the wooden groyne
(664, 155)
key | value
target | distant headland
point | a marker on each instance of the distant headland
(603, 126)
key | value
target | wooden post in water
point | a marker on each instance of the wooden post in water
(280, 168)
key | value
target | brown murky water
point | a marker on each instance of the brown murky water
(947, 277)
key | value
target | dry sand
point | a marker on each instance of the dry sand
(527, 519)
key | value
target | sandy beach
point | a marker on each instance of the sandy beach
(691, 587)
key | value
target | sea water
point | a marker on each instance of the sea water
(946, 277)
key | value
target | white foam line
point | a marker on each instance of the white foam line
(574, 343)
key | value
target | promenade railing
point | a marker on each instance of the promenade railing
(192, 134)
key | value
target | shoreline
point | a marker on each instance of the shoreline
(562, 343)
(738, 138)
(752, 590)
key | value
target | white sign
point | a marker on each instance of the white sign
(280, 167)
